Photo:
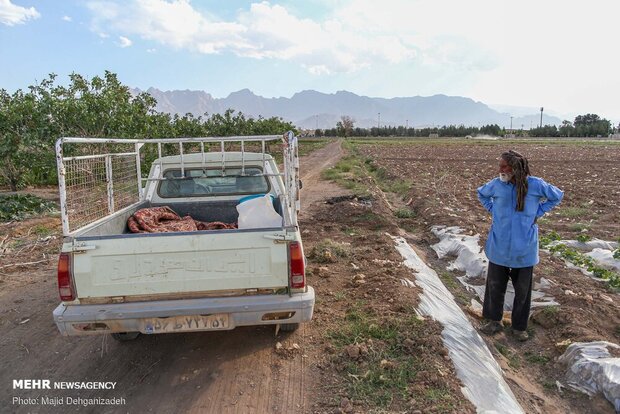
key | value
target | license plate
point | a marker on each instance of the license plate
(187, 323)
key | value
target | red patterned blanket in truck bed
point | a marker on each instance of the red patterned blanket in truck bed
(165, 220)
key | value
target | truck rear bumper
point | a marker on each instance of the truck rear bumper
(140, 316)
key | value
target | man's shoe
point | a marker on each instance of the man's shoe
(491, 327)
(521, 335)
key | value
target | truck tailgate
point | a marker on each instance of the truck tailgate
(172, 263)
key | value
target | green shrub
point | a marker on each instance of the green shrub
(328, 251)
(21, 206)
(546, 239)
(579, 259)
(404, 213)
(574, 212)
(582, 238)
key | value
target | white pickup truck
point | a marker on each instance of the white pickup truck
(113, 281)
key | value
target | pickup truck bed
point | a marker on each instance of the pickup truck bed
(214, 210)
(114, 281)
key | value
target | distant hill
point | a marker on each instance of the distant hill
(311, 109)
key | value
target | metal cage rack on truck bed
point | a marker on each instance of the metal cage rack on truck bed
(94, 185)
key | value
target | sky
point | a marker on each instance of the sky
(558, 54)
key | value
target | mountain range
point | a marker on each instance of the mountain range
(310, 109)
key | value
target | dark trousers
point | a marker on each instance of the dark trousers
(497, 281)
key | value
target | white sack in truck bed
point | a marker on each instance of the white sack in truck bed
(258, 213)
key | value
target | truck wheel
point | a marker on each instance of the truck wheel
(125, 336)
(289, 327)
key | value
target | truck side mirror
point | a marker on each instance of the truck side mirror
(301, 185)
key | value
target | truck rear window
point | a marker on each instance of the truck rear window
(211, 182)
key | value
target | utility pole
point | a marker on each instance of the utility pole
(317, 122)
(379, 120)
(511, 124)
(541, 113)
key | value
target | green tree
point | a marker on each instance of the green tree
(187, 126)
(31, 121)
(20, 142)
(588, 119)
(591, 125)
(566, 129)
(271, 126)
(344, 127)
(491, 129)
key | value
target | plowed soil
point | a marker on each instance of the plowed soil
(444, 176)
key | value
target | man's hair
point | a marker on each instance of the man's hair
(521, 170)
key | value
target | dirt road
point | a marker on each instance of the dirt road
(313, 188)
(237, 371)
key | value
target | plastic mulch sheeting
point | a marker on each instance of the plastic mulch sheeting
(591, 369)
(601, 251)
(469, 256)
(471, 259)
(480, 374)
(605, 258)
(588, 245)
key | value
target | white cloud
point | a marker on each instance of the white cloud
(318, 70)
(11, 14)
(552, 53)
(67, 18)
(524, 53)
(264, 31)
(124, 42)
(176, 24)
(151, 50)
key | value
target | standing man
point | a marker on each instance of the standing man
(515, 200)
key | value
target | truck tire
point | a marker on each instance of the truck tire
(289, 327)
(125, 336)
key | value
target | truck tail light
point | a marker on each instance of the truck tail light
(297, 263)
(65, 278)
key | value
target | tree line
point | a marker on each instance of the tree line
(32, 120)
(589, 125)
(346, 128)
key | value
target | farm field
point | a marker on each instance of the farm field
(433, 182)
(445, 174)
